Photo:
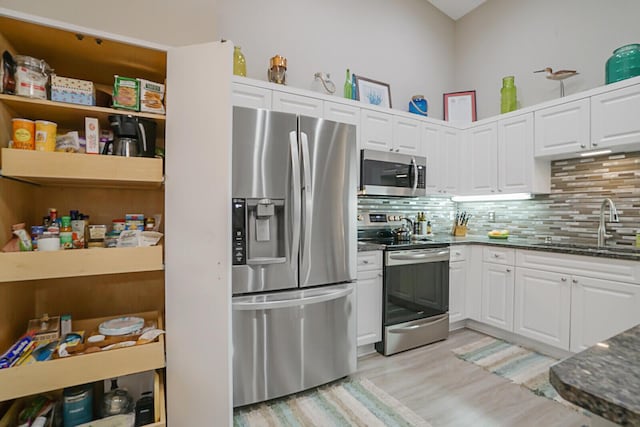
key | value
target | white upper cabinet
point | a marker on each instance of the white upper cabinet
(250, 96)
(615, 118)
(480, 147)
(296, 104)
(376, 132)
(562, 130)
(432, 141)
(518, 170)
(451, 155)
(341, 113)
(406, 136)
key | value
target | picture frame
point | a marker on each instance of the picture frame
(460, 106)
(375, 92)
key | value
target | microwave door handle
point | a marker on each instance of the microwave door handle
(295, 196)
(306, 235)
(415, 174)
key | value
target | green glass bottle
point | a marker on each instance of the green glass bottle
(239, 63)
(508, 100)
(347, 86)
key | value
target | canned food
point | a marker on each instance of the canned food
(45, 135)
(23, 134)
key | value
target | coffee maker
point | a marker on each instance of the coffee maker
(133, 136)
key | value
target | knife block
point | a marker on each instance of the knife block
(460, 230)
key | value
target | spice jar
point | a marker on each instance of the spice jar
(32, 77)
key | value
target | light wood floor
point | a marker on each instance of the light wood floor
(447, 391)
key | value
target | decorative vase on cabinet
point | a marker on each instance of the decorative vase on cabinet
(239, 62)
(508, 100)
(624, 64)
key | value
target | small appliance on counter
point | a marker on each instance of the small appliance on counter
(133, 136)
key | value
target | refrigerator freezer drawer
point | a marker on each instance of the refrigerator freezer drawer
(287, 342)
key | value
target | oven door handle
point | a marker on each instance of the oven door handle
(412, 328)
(415, 175)
(422, 256)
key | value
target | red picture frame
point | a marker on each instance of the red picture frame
(460, 106)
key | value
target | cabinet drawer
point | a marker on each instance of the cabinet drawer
(369, 260)
(457, 253)
(296, 104)
(250, 96)
(504, 256)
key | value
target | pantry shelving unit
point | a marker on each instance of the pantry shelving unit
(93, 284)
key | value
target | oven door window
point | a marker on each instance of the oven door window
(388, 174)
(415, 291)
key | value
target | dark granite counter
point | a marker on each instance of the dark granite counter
(630, 253)
(604, 379)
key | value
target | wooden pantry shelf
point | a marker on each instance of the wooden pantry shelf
(56, 374)
(81, 170)
(20, 266)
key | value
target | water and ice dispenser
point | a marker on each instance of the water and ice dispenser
(258, 231)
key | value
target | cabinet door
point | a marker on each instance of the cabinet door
(614, 118)
(563, 129)
(297, 104)
(406, 136)
(250, 96)
(431, 142)
(451, 157)
(369, 307)
(515, 154)
(341, 113)
(480, 148)
(376, 132)
(601, 309)
(497, 295)
(542, 308)
(457, 281)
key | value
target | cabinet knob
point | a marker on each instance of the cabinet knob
(458, 253)
(364, 261)
(499, 190)
(493, 191)
(379, 274)
(397, 150)
(574, 281)
(583, 146)
(390, 149)
(496, 255)
(508, 270)
(564, 279)
(594, 144)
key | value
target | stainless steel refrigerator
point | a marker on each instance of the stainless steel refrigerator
(294, 249)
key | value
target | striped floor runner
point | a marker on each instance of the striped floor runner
(351, 402)
(515, 363)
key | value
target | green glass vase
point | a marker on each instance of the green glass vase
(624, 64)
(508, 100)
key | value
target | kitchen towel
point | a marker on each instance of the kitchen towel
(518, 364)
(350, 402)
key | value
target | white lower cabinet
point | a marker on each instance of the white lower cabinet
(497, 295)
(457, 283)
(543, 306)
(601, 309)
(369, 298)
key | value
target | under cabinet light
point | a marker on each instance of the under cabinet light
(493, 197)
(595, 153)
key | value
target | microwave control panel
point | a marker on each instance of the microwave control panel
(239, 232)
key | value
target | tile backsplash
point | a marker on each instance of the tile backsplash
(569, 213)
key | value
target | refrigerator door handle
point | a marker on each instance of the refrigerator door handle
(293, 302)
(306, 236)
(295, 197)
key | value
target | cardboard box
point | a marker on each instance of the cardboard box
(91, 133)
(72, 91)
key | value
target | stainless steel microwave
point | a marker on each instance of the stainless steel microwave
(392, 174)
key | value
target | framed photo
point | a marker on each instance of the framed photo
(460, 106)
(372, 92)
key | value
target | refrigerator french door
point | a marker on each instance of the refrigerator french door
(294, 253)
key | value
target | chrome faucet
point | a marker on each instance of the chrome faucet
(613, 217)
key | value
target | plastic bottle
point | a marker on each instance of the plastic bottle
(508, 95)
(239, 63)
(347, 85)
(66, 233)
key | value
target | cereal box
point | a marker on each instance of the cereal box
(126, 93)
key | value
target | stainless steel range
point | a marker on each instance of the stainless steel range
(415, 291)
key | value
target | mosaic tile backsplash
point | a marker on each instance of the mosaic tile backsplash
(570, 213)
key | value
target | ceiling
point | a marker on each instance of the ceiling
(456, 9)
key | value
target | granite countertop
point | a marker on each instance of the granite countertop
(604, 379)
(629, 253)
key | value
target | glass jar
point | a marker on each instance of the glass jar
(32, 77)
(508, 95)
(239, 63)
(624, 64)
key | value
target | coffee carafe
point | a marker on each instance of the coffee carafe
(133, 136)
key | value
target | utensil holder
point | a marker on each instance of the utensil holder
(460, 230)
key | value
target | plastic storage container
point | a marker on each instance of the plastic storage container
(624, 64)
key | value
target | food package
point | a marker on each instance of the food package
(45, 328)
(151, 97)
(126, 93)
(69, 142)
(73, 91)
(91, 131)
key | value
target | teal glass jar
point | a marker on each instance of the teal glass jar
(508, 100)
(624, 64)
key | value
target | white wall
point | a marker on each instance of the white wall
(517, 37)
(406, 43)
(167, 22)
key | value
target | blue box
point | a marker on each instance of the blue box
(72, 91)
